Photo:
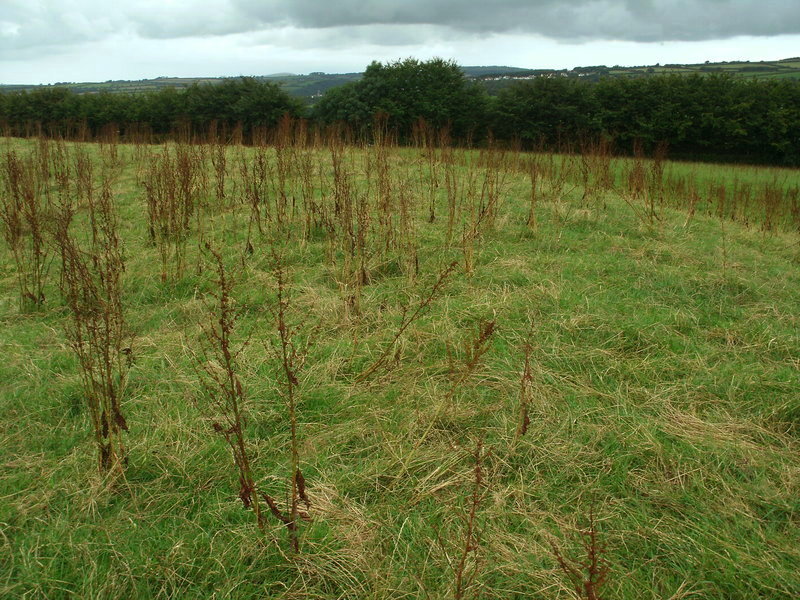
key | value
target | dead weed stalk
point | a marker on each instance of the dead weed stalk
(217, 368)
(588, 574)
(24, 211)
(291, 356)
(91, 284)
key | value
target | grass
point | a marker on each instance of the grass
(662, 400)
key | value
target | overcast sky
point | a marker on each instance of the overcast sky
(46, 41)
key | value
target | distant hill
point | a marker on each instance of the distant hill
(311, 86)
(495, 70)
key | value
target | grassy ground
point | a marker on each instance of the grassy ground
(663, 398)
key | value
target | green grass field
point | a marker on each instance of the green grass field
(663, 392)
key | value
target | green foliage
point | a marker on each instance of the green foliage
(343, 104)
(435, 90)
(544, 110)
(244, 100)
(716, 116)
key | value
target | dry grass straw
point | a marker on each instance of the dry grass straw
(407, 319)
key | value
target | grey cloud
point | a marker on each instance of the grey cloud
(350, 36)
(189, 18)
(635, 20)
(28, 27)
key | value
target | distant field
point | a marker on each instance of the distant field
(471, 357)
(313, 85)
(759, 70)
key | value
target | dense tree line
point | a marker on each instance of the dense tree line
(244, 101)
(699, 116)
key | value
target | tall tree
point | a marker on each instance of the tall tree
(435, 90)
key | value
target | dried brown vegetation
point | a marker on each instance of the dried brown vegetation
(91, 285)
(589, 573)
(223, 400)
(24, 213)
